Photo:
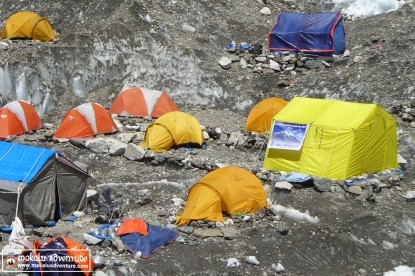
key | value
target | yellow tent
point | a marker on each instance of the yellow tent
(230, 189)
(332, 139)
(259, 118)
(172, 129)
(28, 25)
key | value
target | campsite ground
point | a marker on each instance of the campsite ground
(109, 43)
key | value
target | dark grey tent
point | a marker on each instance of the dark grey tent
(45, 185)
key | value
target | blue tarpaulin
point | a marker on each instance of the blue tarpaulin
(318, 33)
(157, 237)
(20, 162)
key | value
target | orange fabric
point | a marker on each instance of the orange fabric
(260, 117)
(164, 105)
(9, 124)
(230, 189)
(32, 118)
(130, 101)
(133, 225)
(103, 120)
(27, 25)
(74, 125)
(81, 254)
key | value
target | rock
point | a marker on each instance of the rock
(206, 233)
(186, 229)
(232, 263)
(144, 126)
(99, 145)
(236, 138)
(117, 262)
(187, 28)
(260, 59)
(356, 190)
(246, 218)
(282, 227)
(106, 243)
(312, 64)
(265, 11)
(123, 270)
(243, 64)
(322, 185)
(410, 195)
(230, 232)
(346, 53)
(205, 135)
(228, 222)
(127, 137)
(60, 230)
(235, 58)
(134, 152)
(251, 260)
(283, 185)
(267, 190)
(117, 148)
(278, 268)
(274, 66)
(177, 201)
(357, 59)
(225, 63)
(99, 261)
(91, 240)
(118, 244)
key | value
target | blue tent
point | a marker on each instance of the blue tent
(50, 186)
(316, 33)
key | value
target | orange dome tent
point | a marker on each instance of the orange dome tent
(230, 189)
(28, 25)
(140, 102)
(259, 119)
(85, 121)
(17, 118)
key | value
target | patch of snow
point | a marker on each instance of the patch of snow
(367, 7)
(401, 270)
(294, 214)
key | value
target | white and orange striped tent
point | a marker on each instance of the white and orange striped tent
(86, 121)
(18, 117)
(141, 102)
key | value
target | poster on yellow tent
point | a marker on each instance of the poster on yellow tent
(287, 136)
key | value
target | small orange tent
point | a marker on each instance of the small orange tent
(259, 119)
(230, 189)
(17, 118)
(28, 25)
(85, 121)
(140, 102)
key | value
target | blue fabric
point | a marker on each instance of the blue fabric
(6, 229)
(296, 177)
(308, 32)
(100, 229)
(157, 237)
(20, 162)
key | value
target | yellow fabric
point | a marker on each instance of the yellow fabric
(260, 116)
(344, 139)
(171, 129)
(28, 25)
(230, 189)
